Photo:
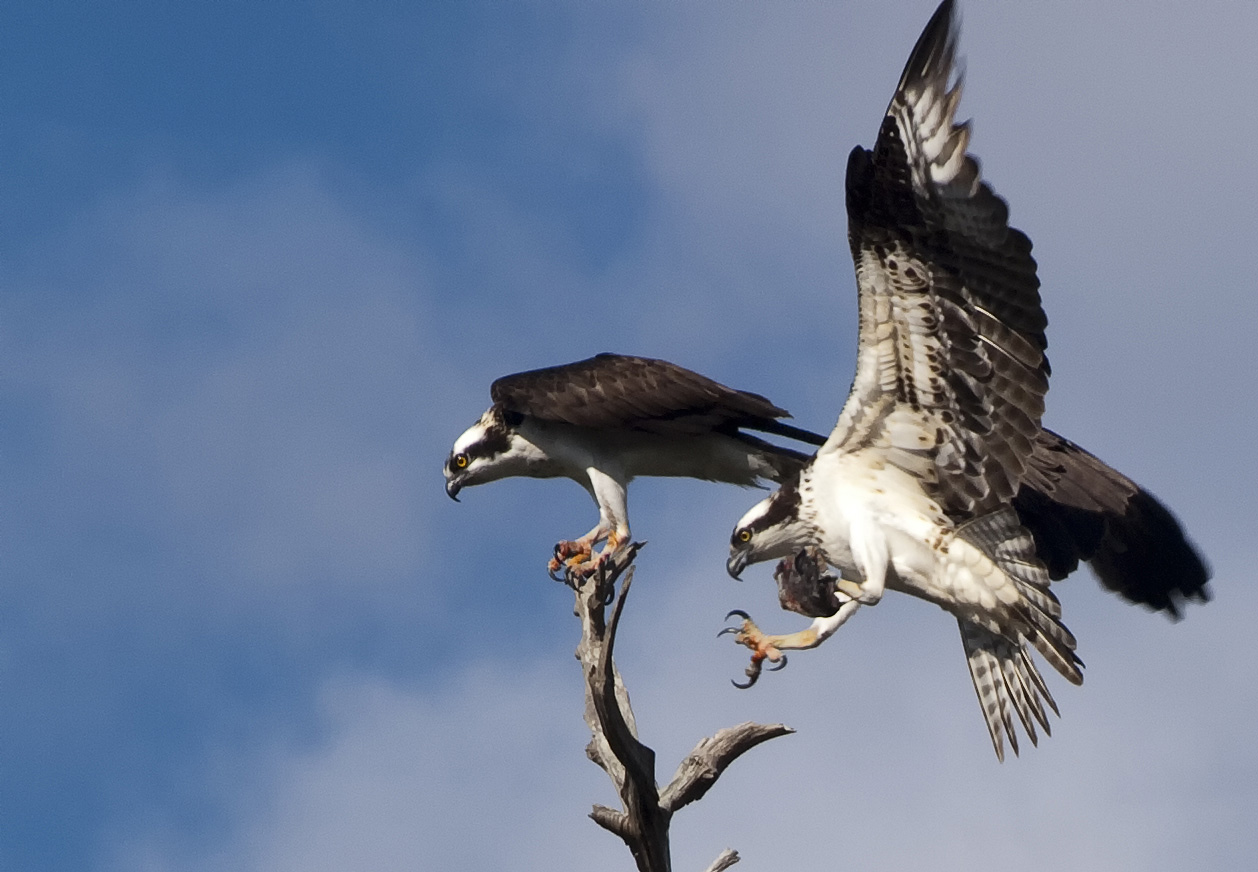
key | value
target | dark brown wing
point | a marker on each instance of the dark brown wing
(1078, 508)
(951, 372)
(618, 392)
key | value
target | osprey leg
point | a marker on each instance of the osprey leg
(577, 559)
(869, 549)
(765, 646)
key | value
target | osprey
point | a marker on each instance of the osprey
(938, 479)
(604, 421)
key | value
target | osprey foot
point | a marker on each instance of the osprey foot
(567, 557)
(762, 648)
(575, 562)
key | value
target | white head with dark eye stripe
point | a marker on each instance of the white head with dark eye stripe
(488, 450)
(773, 528)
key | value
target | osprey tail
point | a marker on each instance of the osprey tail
(1006, 681)
(1004, 675)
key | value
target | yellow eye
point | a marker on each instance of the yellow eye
(460, 460)
(744, 536)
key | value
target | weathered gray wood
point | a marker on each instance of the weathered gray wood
(727, 858)
(643, 825)
(702, 766)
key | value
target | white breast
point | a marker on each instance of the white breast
(856, 498)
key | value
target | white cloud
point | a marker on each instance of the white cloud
(247, 365)
(472, 776)
(891, 765)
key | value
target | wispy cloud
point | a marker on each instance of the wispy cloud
(890, 742)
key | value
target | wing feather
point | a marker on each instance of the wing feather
(951, 351)
(619, 392)
(1079, 508)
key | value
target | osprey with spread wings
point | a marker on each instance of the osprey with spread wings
(939, 480)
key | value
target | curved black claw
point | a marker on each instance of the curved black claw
(752, 673)
(575, 577)
(740, 613)
(751, 638)
(556, 564)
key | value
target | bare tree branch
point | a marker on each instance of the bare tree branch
(727, 858)
(643, 825)
(710, 757)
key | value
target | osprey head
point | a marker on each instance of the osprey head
(772, 529)
(483, 452)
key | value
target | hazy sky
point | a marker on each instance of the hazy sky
(258, 265)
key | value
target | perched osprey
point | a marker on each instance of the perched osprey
(604, 421)
(938, 480)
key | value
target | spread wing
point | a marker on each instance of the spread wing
(614, 392)
(951, 372)
(1079, 508)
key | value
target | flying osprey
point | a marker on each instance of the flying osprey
(611, 418)
(938, 480)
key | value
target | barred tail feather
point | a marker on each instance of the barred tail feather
(1005, 677)
(1055, 643)
(1003, 538)
(1007, 682)
(1035, 695)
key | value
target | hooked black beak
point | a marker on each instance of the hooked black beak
(453, 486)
(736, 563)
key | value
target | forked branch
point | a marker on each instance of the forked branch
(643, 823)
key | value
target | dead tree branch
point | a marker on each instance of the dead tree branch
(727, 858)
(643, 824)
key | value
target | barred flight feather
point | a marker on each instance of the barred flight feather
(1007, 682)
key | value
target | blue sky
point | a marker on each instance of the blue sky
(259, 264)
